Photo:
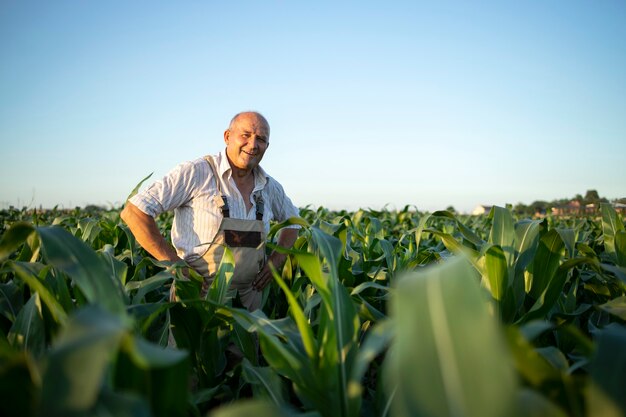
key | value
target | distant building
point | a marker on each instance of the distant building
(574, 208)
(619, 207)
(481, 209)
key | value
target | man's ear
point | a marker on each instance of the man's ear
(226, 136)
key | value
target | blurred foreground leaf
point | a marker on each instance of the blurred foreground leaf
(448, 357)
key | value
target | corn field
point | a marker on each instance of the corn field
(375, 313)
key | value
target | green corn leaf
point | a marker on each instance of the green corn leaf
(420, 228)
(219, 287)
(78, 360)
(605, 396)
(138, 186)
(167, 370)
(533, 367)
(28, 331)
(458, 248)
(147, 285)
(265, 382)
(246, 342)
(620, 248)
(146, 313)
(569, 239)
(502, 232)
(340, 322)
(611, 226)
(377, 340)
(148, 355)
(546, 262)
(467, 233)
(20, 382)
(448, 355)
(553, 290)
(313, 269)
(496, 271)
(11, 300)
(118, 268)
(247, 408)
(90, 229)
(533, 404)
(95, 278)
(619, 271)
(280, 350)
(616, 306)
(526, 235)
(122, 405)
(13, 238)
(297, 221)
(310, 344)
(28, 273)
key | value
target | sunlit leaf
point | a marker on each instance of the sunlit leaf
(96, 280)
(608, 373)
(449, 356)
(13, 238)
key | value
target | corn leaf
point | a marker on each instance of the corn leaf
(607, 371)
(616, 306)
(265, 381)
(78, 360)
(310, 344)
(611, 226)
(28, 332)
(496, 271)
(546, 262)
(502, 232)
(13, 238)
(247, 408)
(95, 278)
(28, 273)
(448, 355)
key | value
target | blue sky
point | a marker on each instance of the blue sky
(370, 103)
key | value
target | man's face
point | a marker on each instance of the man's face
(246, 141)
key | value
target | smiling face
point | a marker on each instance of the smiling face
(246, 140)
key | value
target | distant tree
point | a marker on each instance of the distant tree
(521, 209)
(539, 206)
(591, 196)
(450, 209)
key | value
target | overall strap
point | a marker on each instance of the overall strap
(260, 204)
(222, 201)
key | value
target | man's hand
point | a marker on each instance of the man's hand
(147, 234)
(264, 276)
(286, 239)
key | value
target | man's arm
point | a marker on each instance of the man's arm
(286, 239)
(147, 233)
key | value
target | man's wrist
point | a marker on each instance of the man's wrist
(277, 259)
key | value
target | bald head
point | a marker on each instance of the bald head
(256, 116)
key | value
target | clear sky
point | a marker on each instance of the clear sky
(430, 104)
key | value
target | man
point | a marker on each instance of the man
(225, 199)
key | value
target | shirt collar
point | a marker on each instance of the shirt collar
(223, 167)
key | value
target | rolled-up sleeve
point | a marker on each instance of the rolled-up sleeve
(172, 191)
(282, 207)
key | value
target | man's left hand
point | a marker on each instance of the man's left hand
(264, 276)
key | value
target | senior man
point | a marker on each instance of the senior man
(219, 200)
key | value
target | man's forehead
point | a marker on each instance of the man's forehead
(251, 123)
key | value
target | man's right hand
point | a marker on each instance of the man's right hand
(146, 231)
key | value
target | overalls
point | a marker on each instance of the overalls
(245, 239)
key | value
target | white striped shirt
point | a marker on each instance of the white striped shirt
(190, 190)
